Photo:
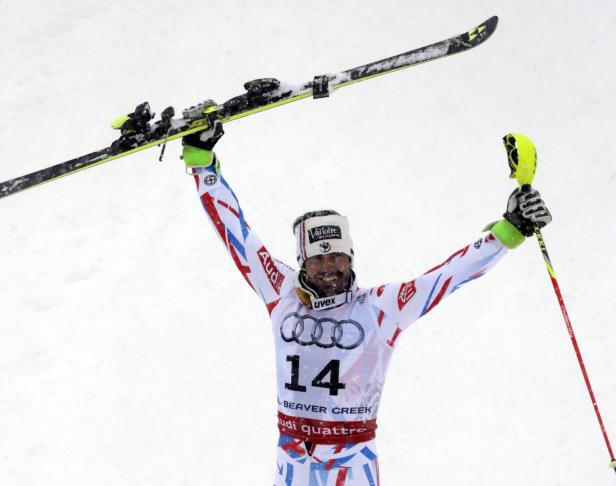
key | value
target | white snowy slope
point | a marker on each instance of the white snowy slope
(132, 353)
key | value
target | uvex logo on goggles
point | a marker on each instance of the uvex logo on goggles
(325, 232)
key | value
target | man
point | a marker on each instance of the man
(334, 340)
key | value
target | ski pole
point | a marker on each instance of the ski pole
(522, 157)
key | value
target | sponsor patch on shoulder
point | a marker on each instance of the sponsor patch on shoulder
(406, 293)
(275, 276)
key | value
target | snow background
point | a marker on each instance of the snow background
(131, 350)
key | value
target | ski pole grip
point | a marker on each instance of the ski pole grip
(522, 157)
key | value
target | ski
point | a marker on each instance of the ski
(136, 132)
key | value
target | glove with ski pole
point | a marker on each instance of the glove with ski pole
(527, 213)
(526, 210)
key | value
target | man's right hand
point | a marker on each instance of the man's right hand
(197, 147)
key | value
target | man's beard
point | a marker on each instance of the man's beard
(331, 283)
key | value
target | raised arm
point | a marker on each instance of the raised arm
(402, 303)
(269, 277)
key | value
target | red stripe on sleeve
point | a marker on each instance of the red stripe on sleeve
(244, 269)
(208, 202)
(459, 253)
(232, 210)
(271, 306)
(392, 341)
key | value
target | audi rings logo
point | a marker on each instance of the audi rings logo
(324, 332)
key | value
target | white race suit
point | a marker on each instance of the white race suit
(331, 363)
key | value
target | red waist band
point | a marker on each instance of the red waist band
(326, 432)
